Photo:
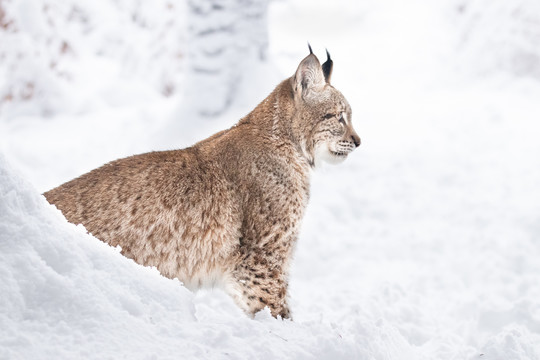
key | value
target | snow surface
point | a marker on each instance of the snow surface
(424, 244)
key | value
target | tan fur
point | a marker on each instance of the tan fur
(227, 210)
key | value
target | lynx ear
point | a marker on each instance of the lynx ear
(327, 68)
(309, 76)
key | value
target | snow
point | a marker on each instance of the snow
(424, 244)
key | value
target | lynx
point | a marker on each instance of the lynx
(227, 210)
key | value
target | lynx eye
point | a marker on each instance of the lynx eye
(341, 118)
(328, 116)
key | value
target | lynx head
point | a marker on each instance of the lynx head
(322, 120)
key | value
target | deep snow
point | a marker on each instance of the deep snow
(424, 244)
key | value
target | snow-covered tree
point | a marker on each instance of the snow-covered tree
(52, 51)
(225, 36)
(50, 48)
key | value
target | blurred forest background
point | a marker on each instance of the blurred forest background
(206, 57)
(59, 57)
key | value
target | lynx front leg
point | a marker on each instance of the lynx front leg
(259, 281)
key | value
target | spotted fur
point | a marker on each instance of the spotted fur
(227, 210)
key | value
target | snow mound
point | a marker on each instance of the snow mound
(62, 288)
(67, 295)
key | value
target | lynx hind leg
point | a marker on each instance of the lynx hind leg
(255, 286)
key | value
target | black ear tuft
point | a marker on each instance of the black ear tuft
(327, 67)
(310, 49)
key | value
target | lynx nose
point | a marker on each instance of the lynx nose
(356, 140)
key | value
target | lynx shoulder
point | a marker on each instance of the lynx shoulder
(227, 210)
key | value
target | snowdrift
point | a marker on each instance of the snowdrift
(67, 295)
